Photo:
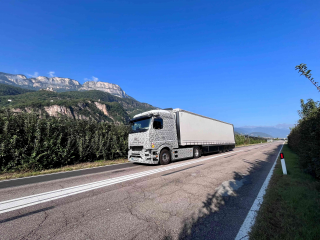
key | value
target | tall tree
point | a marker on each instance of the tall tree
(302, 68)
(308, 109)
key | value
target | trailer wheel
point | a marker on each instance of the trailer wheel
(196, 152)
(165, 157)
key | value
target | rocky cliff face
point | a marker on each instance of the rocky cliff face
(83, 110)
(15, 79)
(114, 89)
(56, 111)
(55, 83)
(60, 84)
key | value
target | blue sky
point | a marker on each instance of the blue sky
(229, 60)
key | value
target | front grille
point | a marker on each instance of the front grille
(136, 148)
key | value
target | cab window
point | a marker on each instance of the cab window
(158, 123)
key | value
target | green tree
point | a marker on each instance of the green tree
(302, 68)
(308, 109)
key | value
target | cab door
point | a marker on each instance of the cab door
(160, 136)
(165, 132)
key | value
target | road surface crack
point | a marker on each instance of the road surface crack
(33, 231)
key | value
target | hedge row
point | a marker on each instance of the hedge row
(304, 139)
(30, 142)
(243, 140)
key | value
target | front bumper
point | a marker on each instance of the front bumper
(144, 156)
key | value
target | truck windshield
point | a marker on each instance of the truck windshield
(141, 125)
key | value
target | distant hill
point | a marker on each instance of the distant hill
(260, 134)
(94, 105)
(11, 90)
(271, 131)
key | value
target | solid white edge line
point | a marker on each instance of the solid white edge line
(41, 175)
(61, 193)
(13, 204)
(251, 216)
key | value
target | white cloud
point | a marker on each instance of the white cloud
(95, 79)
(36, 74)
(51, 73)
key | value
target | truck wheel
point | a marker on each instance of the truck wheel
(196, 152)
(165, 157)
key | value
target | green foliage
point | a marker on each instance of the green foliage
(304, 138)
(290, 208)
(78, 103)
(6, 90)
(43, 98)
(30, 142)
(302, 68)
(308, 109)
(244, 140)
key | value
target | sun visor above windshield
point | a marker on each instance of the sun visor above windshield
(140, 118)
(151, 113)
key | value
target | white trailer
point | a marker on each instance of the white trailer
(194, 129)
(162, 136)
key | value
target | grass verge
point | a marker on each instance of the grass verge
(291, 206)
(16, 174)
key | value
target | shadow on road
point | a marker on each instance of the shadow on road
(223, 212)
(26, 214)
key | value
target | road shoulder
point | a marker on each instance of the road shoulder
(291, 208)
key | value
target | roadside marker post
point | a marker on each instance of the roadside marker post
(283, 164)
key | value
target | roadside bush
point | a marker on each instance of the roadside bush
(304, 139)
(243, 140)
(30, 142)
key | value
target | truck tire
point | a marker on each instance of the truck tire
(196, 152)
(165, 157)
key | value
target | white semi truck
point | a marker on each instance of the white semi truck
(163, 136)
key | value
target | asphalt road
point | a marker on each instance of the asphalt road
(205, 198)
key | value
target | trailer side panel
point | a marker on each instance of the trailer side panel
(194, 129)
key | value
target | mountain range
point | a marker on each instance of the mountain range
(100, 101)
(270, 131)
(59, 84)
(94, 105)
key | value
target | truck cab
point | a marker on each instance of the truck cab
(151, 132)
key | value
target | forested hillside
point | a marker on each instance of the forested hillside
(11, 90)
(94, 105)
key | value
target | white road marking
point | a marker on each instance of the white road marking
(18, 203)
(41, 175)
(251, 217)
(14, 204)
